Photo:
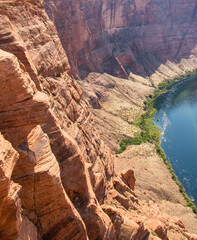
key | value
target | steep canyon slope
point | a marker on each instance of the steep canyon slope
(57, 175)
(145, 41)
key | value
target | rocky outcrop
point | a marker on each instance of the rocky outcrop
(58, 106)
(119, 37)
(31, 40)
(10, 207)
(128, 177)
(28, 107)
(47, 206)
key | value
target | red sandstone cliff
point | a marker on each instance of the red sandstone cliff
(32, 95)
(119, 37)
(57, 175)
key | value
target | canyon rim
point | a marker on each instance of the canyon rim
(74, 74)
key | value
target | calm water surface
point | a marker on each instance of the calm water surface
(177, 113)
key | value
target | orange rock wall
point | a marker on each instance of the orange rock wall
(125, 36)
(64, 162)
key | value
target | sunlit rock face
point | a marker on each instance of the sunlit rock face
(120, 37)
(63, 165)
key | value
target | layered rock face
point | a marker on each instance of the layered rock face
(31, 95)
(57, 176)
(119, 37)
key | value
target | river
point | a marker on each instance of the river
(176, 118)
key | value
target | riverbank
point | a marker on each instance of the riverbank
(150, 133)
(155, 187)
(118, 103)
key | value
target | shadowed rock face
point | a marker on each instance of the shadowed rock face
(119, 37)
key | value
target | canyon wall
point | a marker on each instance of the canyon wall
(145, 41)
(123, 37)
(45, 118)
(57, 175)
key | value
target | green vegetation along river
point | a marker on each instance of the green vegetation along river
(176, 118)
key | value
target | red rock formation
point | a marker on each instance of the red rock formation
(158, 227)
(128, 178)
(34, 42)
(10, 206)
(47, 205)
(136, 36)
(75, 34)
(62, 113)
